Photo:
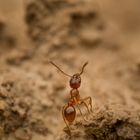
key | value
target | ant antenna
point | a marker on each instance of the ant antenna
(59, 69)
(83, 67)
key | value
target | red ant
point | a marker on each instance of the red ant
(68, 111)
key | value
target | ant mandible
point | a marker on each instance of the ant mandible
(68, 111)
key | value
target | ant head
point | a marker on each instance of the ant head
(75, 80)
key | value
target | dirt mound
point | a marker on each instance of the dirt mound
(110, 122)
(15, 115)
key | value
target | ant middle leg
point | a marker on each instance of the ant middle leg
(77, 104)
(81, 112)
(87, 102)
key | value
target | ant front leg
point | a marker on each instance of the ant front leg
(87, 102)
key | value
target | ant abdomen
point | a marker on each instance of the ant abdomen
(69, 113)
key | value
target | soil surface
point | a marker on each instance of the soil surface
(69, 32)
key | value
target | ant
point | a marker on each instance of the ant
(68, 111)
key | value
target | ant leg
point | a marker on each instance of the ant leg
(77, 104)
(65, 119)
(89, 103)
(81, 112)
(83, 102)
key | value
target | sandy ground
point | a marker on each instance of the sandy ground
(69, 32)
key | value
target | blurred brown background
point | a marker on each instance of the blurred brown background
(69, 32)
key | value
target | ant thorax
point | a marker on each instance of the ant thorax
(75, 81)
(75, 95)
